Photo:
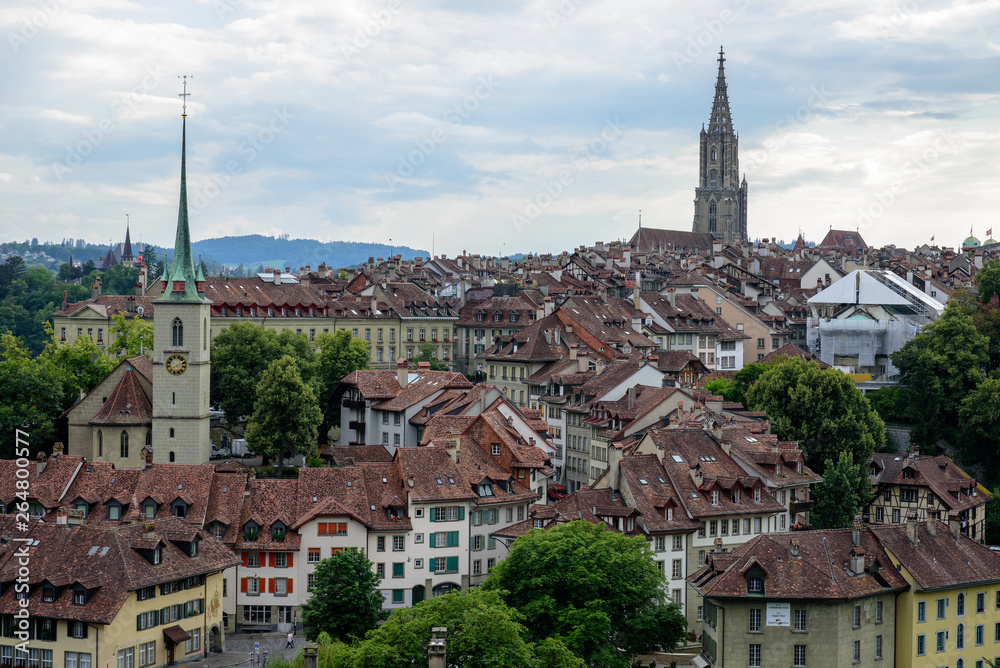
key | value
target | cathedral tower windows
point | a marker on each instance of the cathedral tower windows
(178, 333)
(124, 442)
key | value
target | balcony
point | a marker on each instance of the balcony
(800, 506)
(356, 425)
(357, 404)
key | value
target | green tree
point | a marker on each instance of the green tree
(119, 280)
(427, 354)
(286, 415)
(979, 416)
(840, 497)
(240, 355)
(345, 602)
(993, 517)
(722, 387)
(80, 367)
(11, 269)
(130, 336)
(985, 316)
(597, 591)
(941, 365)
(891, 403)
(483, 632)
(988, 281)
(744, 379)
(339, 355)
(820, 408)
(33, 397)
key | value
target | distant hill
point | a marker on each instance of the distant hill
(254, 249)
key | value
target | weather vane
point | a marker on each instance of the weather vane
(184, 95)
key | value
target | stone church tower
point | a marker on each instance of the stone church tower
(720, 200)
(181, 362)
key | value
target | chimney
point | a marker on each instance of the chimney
(277, 276)
(146, 459)
(631, 397)
(956, 527)
(911, 527)
(454, 444)
(858, 561)
(572, 351)
(64, 304)
(672, 297)
(548, 337)
(932, 520)
(348, 461)
(726, 445)
(717, 546)
(74, 516)
(374, 305)
(548, 305)
(794, 548)
(856, 531)
(95, 289)
(41, 461)
(582, 361)
(403, 372)
(58, 448)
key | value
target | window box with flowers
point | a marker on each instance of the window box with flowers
(278, 537)
(250, 535)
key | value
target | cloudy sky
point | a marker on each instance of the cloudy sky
(495, 127)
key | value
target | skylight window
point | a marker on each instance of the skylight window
(678, 459)
(643, 481)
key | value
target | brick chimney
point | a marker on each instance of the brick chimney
(95, 289)
(911, 527)
(932, 520)
(403, 372)
(276, 274)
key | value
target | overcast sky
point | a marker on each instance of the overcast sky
(495, 127)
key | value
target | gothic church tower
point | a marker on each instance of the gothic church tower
(181, 343)
(720, 200)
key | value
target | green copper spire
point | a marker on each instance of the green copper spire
(182, 281)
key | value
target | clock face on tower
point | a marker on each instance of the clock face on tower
(177, 364)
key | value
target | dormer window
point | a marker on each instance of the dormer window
(736, 496)
(670, 514)
(485, 489)
(756, 494)
(79, 596)
(495, 449)
(194, 546)
(798, 467)
(157, 555)
(755, 585)
(715, 497)
(777, 468)
(48, 594)
(114, 510)
(909, 474)
(82, 506)
(149, 508)
(179, 508)
(219, 530)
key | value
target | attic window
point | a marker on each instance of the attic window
(909, 474)
(373, 508)
(451, 481)
(678, 459)
(642, 481)
(225, 489)
(693, 495)
(439, 481)
(315, 499)
(350, 483)
(495, 449)
(662, 480)
(385, 480)
(750, 439)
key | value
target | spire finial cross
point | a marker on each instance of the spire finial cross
(722, 57)
(185, 94)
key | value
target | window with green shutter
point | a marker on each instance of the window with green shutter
(452, 539)
(433, 540)
(397, 570)
(452, 564)
(433, 516)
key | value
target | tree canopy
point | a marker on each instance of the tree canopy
(482, 632)
(426, 354)
(597, 591)
(130, 336)
(33, 396)
(820, 408)
(340, 354)
(941, 365)
(845, 490)
(286, 415)
(345, 600)
(979, 416)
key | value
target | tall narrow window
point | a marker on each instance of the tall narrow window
(713, 178)
(100, 443)
(124, 444)
(178, 330)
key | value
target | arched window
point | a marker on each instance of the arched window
(172, 457)
(960, 605)
(124, 440)
(712, 208)
(960, 637)
(715, 154)
(149, 437)
(713, 178)
(711, 224)
(100, 443)
(171, 432)
(178, 333)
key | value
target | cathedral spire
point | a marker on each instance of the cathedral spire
(127, 256)
(182, 280)
(721, 120)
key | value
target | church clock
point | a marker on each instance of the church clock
(176, 364)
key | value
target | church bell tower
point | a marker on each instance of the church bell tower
(720, 199)
(181, 362)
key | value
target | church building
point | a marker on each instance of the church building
(159, 408)
(720, 200)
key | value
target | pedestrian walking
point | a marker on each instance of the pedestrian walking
(290, 643)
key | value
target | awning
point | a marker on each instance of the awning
(175, 634)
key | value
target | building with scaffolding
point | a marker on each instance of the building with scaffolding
(859, 321)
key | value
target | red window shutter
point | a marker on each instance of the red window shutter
(246, 559)
(270, 585)
(288, 583)
(290, 560)
(322, 528)
(243, 583)
(270, 559)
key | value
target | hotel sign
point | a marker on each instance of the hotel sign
(779, 614)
